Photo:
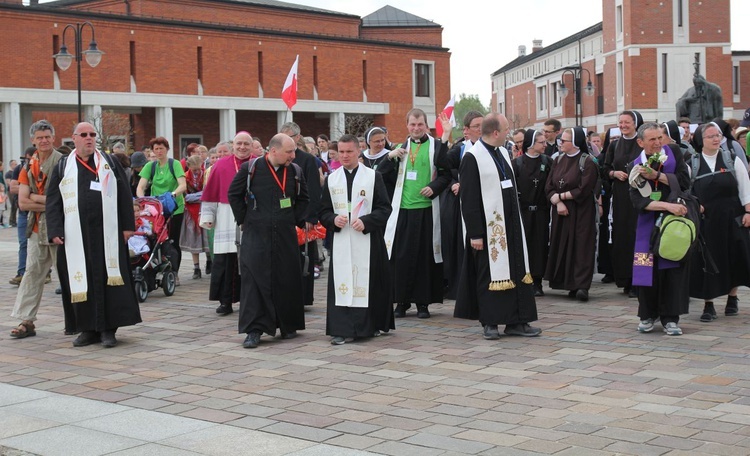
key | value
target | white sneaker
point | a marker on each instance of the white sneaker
(646, 325)
(672, 329)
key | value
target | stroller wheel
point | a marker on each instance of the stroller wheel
(141, 290)
(168, 283)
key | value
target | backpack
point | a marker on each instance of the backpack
(545, 162)
(695, 164)
(170, 162)
(674, 236)
(581, 163)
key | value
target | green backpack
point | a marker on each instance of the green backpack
(674, 236)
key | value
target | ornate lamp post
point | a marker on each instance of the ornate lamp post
(93, 55)
(589, 89)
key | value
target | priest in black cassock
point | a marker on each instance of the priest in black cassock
(451, 223)
(532, 169)
(496, 284)
(271, 292)
(90, 214)
(355, 207)
(570, 189)
(617, 165)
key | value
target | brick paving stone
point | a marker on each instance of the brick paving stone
(636, 448)
(359, 442)
(447, 443)
(402, 449)
(145, 403)
(252, 422)
(301, 432)
(215, 416)
(542, 446)
(493, 437)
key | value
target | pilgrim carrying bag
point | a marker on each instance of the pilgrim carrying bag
(674, 236)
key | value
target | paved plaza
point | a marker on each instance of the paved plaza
(180, 383)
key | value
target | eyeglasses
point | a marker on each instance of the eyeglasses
(563, 141)
(86, 134)
(716, 136)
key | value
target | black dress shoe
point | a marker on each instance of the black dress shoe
(224, 309)
(607, 278)
(422, 311)
(633, 292)
(522, 329)
(108, 339)
(252, 340)
(732, 307)
(58, 290)
(572, 293)
(582, 295)
(538, 290)
(87, 338)
(289, 335)
(400, 311)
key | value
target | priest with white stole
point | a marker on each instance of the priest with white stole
(355, 207)
(496, 283)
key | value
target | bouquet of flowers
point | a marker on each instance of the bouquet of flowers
(657, 159)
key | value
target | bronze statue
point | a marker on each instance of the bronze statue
(702, 102)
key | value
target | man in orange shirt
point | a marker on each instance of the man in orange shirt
(41, 255)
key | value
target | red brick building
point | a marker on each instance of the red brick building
(200, 70)
(641, 56)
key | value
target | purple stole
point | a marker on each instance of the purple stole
(643, 258)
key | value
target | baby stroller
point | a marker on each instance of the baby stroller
(153, 269)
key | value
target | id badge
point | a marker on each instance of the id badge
(655, 196)
(285, 203)
(411, 175)
(96, 186)
(507, 183)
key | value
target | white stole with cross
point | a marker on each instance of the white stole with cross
(494, 215)
(351, 249)
(390, 228)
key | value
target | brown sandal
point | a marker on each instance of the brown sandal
(23, 330)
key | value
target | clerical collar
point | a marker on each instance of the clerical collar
(352, 170)
(421, 140)
(488, 146)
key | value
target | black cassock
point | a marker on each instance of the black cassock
(475, 301)
(451, 223)
(531, 176)
(271, 293)
(573, 237)
(620, 155)
(107, 307)
(309, 167)
(378, 316)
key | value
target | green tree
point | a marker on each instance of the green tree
(464, 104)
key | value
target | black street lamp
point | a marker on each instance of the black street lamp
(589, 89)
(93, 55)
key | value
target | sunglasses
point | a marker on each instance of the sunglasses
(87, 134)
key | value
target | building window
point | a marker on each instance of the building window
(364, 75)
(260, 68)
(664, 73)
(133, 65)
(199, 58)
(556, 95)
(422, 78)
(600, 93)
(736, 80)
(541, 98)
(315, 72)
(620, 80)
(679, 13)
(618, 22)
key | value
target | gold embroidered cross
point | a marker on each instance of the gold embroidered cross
(78, 276)
(343, 289)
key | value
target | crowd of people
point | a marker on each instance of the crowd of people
(484, 220)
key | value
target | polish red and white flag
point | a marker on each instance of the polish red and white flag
(289, 92)
(448, 111)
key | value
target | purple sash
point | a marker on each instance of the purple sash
(643, 258)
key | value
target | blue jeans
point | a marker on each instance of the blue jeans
(21, 221)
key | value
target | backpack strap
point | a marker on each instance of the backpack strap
(250, 175)
(695, 162)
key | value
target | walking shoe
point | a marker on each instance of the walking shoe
(582, 295)
(48, 279)
(208, 267)
(196, 273)
(400, 311)
(289, 335)
(16, 280)
(176, 280)
(108, 339)
(87, 338)
(422, 311)
(572, 293)
(672, 329)
(58, 290)
(252, 340)
(732, 307)
(607, 278)
(491, 332)
(522, 329)
(646, 326)
(709, 313)
(338, 340)
(538, 291)
(633, 293)
(224, 309)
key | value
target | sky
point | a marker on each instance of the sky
(486, 36)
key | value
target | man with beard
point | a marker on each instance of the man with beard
(269, 198)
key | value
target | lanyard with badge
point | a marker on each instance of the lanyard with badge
(95, 184)
(411, 174)
(505, 182)
(284, 202)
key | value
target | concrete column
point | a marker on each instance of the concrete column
(93, 115)
(13, 135)
(338, 125)
(283, 117)
(164, 127)
(227, 124)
